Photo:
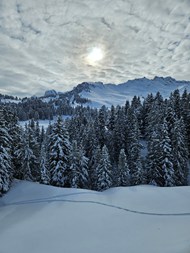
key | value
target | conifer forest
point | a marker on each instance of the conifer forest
(142, 142)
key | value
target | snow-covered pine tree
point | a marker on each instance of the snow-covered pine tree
(166, 156)
(79, 167)
(93, 164)
(134, 149)
(176, 102)
(34, 145)
(44, 170)
(59, 156)
(155, 114)
(74, 172)
(6, 172)
(101, 126)
(14, 131)
(123, 170)
(154, 172)
(180, 152)
(185, 105)
(146, 108)
(17, 143)
(79, 176)
(26, 156)
(160, 157)
(118, 134)
(83, 168)
(104, 171)
(6, 166)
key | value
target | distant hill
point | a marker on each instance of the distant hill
(96, 94)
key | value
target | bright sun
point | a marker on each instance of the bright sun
(95, 55)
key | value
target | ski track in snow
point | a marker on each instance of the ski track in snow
(53, 199)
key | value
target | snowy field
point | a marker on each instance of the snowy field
(45, 219)
(44, 123)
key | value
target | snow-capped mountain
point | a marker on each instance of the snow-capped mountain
(96, 94)
(50, 93)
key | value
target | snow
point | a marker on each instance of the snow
(7, 101)
(38, 218)
(110, 94)
(44, 123)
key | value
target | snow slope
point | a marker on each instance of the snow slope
(110, 94)
(45, 219)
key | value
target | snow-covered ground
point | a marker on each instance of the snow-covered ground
(7, 101)
(44, 123)
(45, 219)
(110, 94)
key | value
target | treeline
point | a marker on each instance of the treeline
(99, 149)
(39, 109)
(8, 97)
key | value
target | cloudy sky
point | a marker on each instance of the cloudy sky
(56, 44)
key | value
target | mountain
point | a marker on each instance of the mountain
(50, 93)
(96, 94)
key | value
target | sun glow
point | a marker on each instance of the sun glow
(95, 55)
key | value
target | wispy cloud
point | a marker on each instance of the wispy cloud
(44, 44)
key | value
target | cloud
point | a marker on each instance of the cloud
(44, 44)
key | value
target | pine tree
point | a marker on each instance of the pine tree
(34, 144)
(167, 157)
(104, 175)
(83, 166)
(15, 132)
(160, 157)
(79, 176)
(123, 170)
(59, 148)
(180, 152)
(26, 156)
(44, 171)
(101, 126)
(74, 172)
(134, 149)
(94, 164)
(6, 173)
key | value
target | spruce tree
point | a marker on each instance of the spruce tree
(44, 170)
(79, 176)
(134, 149)
(6, 173)
(180, 152)
(59, 148)
(123, 170)
(104, 174)
(25, 154)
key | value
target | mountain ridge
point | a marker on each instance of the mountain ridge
(96, 94)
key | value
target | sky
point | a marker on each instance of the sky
(57, 44)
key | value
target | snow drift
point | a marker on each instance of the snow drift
(39, 218)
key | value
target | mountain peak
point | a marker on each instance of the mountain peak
(96, 94)
(168, 79)
(50, 93)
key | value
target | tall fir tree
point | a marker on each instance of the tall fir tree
(134, 149)
(104, 171)
(59, 156)
(79, 176)
(180, 153)
(44, 170)
(6, 172)
(123, 170)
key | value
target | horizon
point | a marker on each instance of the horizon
(56, 46)
(93, 82)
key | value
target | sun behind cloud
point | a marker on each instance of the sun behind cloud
(95, 55)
